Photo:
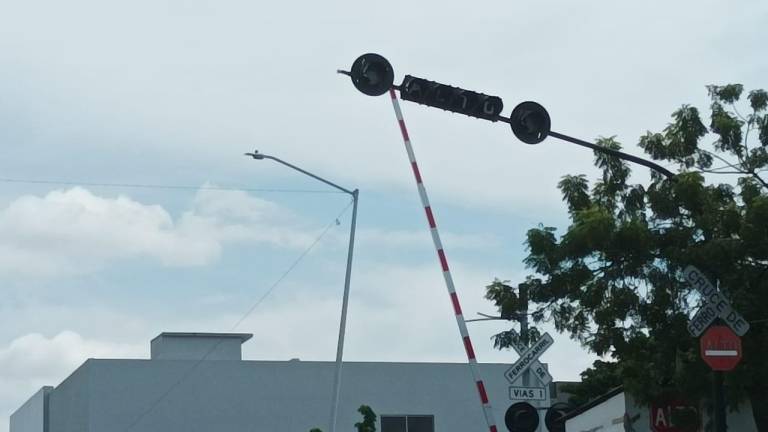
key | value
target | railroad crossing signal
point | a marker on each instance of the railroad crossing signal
(521, 417)
(530, 122)
(554, 417)
(373, 75)
(451, 98)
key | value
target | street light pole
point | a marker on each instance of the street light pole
(343, 320)
(347, 277)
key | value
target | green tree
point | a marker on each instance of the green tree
(595, 381)
(369, 419)
(367, 425)
(613, 279)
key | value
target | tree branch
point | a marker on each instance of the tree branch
(720, 168)
(722, 172)
(760, 179)
(746, 137)
(722, 160)
(738, 113)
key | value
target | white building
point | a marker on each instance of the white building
(617, 411)
(198, 382)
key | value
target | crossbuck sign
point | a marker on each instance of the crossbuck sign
(537, 368)
(716, 306)
(528, 357)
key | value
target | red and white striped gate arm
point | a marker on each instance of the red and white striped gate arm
(487, 410)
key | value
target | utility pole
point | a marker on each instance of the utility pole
(522, 318)
(719, 402)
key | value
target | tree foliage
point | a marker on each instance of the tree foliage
(614, 281)
(367, 425)
(595, 381)
(369, 420)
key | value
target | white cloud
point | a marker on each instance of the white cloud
(38, 357)
(74, 231)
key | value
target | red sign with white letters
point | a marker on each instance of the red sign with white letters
(720, 348)
(664, 414)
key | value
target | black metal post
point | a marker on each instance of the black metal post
(522, 312)
(621, 155)
(719, 402)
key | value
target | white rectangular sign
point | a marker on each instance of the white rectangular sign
(528, 357)
(527, 393)
(724, 310)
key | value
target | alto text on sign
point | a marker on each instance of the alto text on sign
(662, 416)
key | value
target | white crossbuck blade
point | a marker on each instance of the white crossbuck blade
(528, 358)
(705, 316)
(717, 306)
(538, 369)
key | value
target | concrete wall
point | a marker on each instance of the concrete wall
(609, 417)
(69, 402)
(740, 419)
(196, 346)
(293, 396)
(32, 416)
(606, 417)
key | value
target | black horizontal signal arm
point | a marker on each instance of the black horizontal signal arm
(373, 75)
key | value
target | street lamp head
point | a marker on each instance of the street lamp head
(256, 155)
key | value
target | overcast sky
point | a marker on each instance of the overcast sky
(172, 93)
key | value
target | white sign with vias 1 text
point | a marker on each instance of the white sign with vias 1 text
(527, 393)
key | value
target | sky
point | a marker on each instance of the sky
(172, 93)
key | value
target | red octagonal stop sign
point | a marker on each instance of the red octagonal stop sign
(720, 348)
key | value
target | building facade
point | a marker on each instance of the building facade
(197, 382)
(618, 411)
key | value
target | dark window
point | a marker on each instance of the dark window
(408, 423)
(421, 424)
(393, 424)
